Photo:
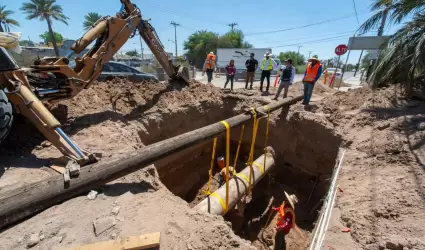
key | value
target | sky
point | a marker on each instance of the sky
(317, 26)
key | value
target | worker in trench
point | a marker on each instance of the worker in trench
(285, 220)
(222, 175)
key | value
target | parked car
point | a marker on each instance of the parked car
(331, 71)
(115, 69)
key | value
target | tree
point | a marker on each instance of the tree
(47, 38)
(233, 39)
(392, 11)
(90, 19)
(297, 58)
(402, 58)
(6, 19)
(200, 43)
(26, 43)
(45, 10)
(132, 53)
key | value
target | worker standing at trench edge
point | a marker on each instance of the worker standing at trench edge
(311, 75)
(285, 220)
(209, 66)
(267, 65)
(286, 79)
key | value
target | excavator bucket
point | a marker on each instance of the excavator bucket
(183, 74)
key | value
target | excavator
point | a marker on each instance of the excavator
(25, 91)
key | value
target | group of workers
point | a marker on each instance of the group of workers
(285, 220)
(287, 74)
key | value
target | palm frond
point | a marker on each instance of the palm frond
(371, 23)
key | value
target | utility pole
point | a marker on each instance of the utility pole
(232, 25)
(175, 33)
(299, 46)
(309, 54)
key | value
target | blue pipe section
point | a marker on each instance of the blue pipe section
(68, 140)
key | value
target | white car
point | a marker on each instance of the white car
(331, 71)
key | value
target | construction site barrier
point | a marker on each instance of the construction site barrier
(24, 201)
(238, 186)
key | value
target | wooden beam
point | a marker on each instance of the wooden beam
(146, 241)
(17, 204)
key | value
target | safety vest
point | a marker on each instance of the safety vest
(287, 73)
(311, 73)
(283, 210)
(210, 64)
(269, 66)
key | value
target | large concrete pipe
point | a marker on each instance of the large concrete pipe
(238, 185)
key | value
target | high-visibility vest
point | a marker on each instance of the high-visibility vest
(311, 73)
(210, 64)
(283, 210)
(269, 66)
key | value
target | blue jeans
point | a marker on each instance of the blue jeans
(308, 92)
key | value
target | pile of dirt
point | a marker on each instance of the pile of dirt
(116, 118)
(382, 175)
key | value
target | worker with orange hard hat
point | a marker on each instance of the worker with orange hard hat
(222, 175)
(209, 66)
(285, 219)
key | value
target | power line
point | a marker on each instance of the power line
(302, 26)
(355, 11)
(184, 14)
(311, 41)
(307, 37)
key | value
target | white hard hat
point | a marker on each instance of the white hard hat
(211, 53)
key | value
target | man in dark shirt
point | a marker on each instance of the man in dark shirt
(251, 65)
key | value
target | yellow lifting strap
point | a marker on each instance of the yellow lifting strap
(251, 153)
(237, 150)
(208, 190)
(227, 162)
(267, 136)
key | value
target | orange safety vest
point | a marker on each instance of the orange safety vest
(210, 62)
(311, 74)
(281, 215)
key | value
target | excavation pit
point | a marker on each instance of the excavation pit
(305, 144)
(306, 149)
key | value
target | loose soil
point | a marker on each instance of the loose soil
(382, 198)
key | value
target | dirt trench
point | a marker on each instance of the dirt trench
(306, 149)
(115, 119)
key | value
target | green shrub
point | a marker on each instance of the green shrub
(300, 69)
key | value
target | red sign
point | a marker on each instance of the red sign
(341, 49)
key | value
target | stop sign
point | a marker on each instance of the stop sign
(341, 49)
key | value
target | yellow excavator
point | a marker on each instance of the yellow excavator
(23, 90)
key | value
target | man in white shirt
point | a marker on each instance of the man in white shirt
(286, 79)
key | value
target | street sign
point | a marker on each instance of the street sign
(373, 54)
(341, 49)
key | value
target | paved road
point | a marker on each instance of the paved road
(221, 79)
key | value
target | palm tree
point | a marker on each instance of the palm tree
(392, 11)
(45, 10)
(5, 17)
(90, 19)
(403, 57)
